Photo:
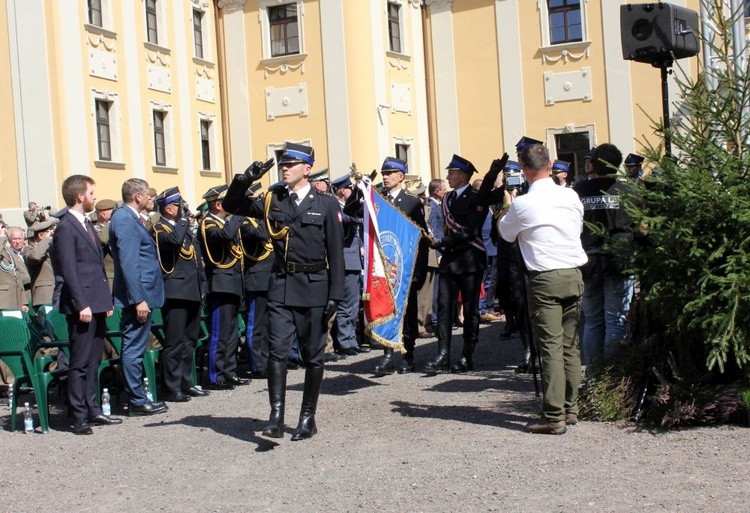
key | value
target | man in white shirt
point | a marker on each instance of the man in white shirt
(547, 221)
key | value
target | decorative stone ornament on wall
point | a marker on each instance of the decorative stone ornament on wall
(573, 85)
(286, 101)
(231, 5)
(429, 3)
(102, 56)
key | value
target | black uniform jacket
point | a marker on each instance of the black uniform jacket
(315, 237)
(181, 261)
(259, 256)
(459, 255)
(222, 254)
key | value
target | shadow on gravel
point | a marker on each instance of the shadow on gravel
(470, 414)
(486, 382)
(236, 427)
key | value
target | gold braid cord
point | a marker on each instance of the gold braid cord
(281, 234)
(234, 248)
(185, 254)
(264, 249)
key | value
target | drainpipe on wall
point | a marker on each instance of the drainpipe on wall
(428, 73)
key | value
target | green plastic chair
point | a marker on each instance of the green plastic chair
(16, 350)
(114, 335)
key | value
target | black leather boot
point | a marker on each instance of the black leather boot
(466, 362)
(443, 361)
(306, 427)
(276, 372)
(386, 365)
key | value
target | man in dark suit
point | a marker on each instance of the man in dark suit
(461, 266)
(138, 289)
(85, 300)
(436, 190)
(221, 243)
(394, 172)
(185, 283)
(307, 280)
(259, 259)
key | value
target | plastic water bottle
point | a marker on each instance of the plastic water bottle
(106, 406)
(28, 420)
(146, 389)
(10, 398)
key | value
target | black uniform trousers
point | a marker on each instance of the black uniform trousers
(223, 337)
(181, 330)
(410, 332)
(304, 322)
(86, 347)
(257, 329)
(450, 285)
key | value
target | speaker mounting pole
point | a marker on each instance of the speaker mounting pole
(666, 69)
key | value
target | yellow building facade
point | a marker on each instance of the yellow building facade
(189, 92)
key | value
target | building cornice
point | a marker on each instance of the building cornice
(232, 5)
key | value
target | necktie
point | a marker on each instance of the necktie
(451, 197)
(390, 198)
(90, 229)
(293, 199)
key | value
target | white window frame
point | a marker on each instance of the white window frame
(409, 143)
(570, 128)
(544, 20)
(115, 128)
(273, 147)
(401, 26)
(197, 5)
(108, 27)
(161, 25)
(265, 28)
(169, 142)
(212, 138)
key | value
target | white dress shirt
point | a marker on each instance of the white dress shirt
(547, 221)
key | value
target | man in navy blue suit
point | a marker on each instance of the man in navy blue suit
(78, 262)
(138, 289)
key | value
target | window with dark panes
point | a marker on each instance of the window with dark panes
(747, 8)
(103, 139)
(160, 148)
(565, 21)
(394, 26)
(198, 33)
(151, 25)
(205, 145)
(284, 30)
(402, 152)
(95, 12)
(573, 148)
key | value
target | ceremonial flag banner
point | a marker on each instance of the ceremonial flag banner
(391, 241)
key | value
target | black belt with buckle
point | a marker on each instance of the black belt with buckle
(297, 267)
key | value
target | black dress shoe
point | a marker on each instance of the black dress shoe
(179, 397)
(196, 392)
(259, 375)
(333, 357)
(349, 351)
(407, 367)
(364, 348)
(224, 385)
(462, 366)
(240, 382)
(103, 420)
(148, 408)
(82, 428)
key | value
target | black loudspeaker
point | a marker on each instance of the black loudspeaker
(654, 33)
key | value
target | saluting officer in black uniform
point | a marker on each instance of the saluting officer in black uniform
(307, 280)
(222, 252)
(461, 266)
(394, 172)
(259, 259)
(185, 283)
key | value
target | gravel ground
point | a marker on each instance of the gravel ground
(407, 443)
